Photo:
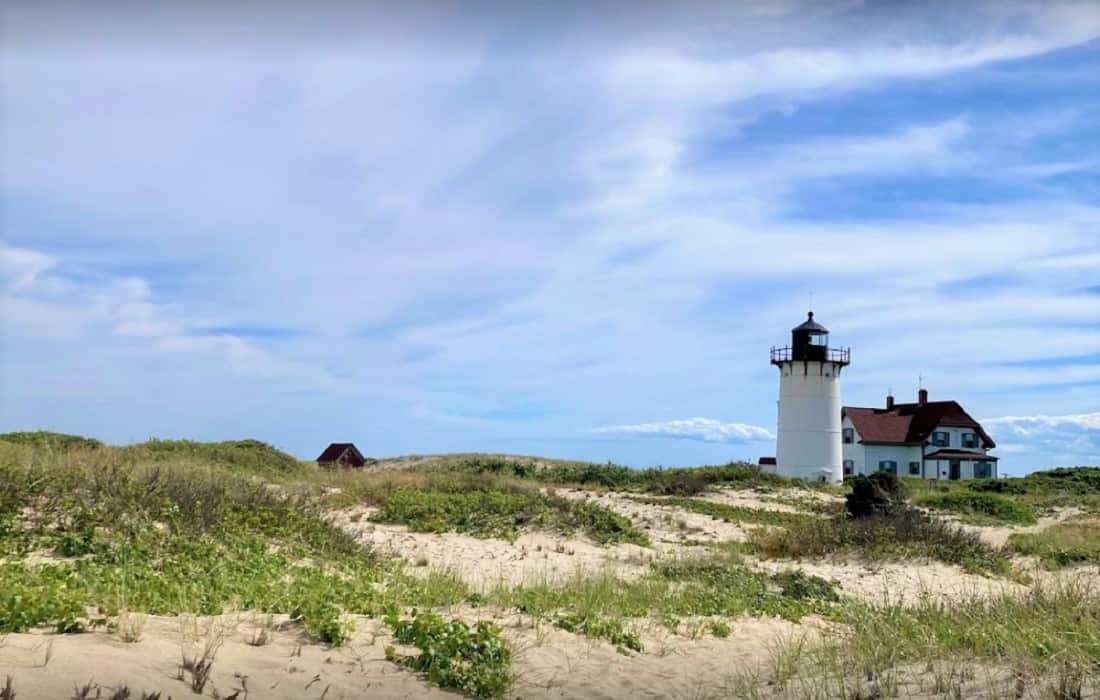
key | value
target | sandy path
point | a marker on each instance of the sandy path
(667, 526)
(483, 563)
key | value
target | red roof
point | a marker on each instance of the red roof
(342, 451)
(912, 423)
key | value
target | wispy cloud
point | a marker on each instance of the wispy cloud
(1073, 438)
(529, 222)
(701, 429)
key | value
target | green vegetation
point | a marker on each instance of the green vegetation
(1037, 493)
(610, 629)
(686, 481)
(489, 512)
(46, 439)
(709, 586)
(726, 512)
(454, 655)
(250, 456)
(880, 494)
(980, 508)
(904, 533)
(169, 538)
(1060, 545)
(1048, 638)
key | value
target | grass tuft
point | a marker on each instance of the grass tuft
(1062, 544)
(980, 507)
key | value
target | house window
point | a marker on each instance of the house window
(914, 469)
(983, 470)
(849, 436)
(849, 466)
(887, 465)
(941, 439)
(969, 439)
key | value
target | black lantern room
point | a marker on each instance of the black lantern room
(810, 343)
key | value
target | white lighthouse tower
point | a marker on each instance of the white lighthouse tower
(808, 445)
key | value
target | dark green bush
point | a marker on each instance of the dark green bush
(876, 495)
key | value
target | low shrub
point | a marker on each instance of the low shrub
(879, 494)
(471, 659)
(982, 507)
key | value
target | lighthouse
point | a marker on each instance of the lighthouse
(808, 444)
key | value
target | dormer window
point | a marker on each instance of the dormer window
(941, 438)
(969, 439)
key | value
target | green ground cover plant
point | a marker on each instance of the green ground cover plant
(488, 512)
(717, 585)
(1062, 544)
(980, 508)
(726, 512)
(473, 659)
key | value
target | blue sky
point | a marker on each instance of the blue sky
(571, 230)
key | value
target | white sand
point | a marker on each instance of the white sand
(549, 663)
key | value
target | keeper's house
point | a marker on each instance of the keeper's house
(929, 439)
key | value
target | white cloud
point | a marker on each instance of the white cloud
(1072, 438)
(701, 429)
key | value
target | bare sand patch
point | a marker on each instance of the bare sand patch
(50, 666)
(997, 536)
(487, 562)
(548, 662)
(557, 664)
(781, 501)
(667, 526)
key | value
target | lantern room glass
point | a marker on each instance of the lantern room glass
(821, 340)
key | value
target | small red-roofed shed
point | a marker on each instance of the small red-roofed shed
(342, 454)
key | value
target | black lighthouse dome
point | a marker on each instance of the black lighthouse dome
(811, 326)
(809, 342)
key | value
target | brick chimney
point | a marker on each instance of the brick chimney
(889, 402)
(922, 397)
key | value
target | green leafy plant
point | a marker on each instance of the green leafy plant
(471, 659)
(610, 629)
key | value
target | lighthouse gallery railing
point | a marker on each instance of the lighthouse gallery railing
(786, 354)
